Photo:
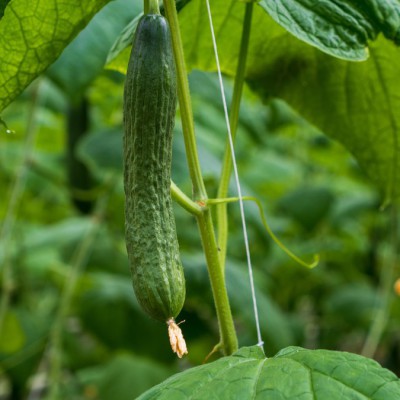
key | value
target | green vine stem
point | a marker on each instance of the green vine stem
(293, 256)
(185, 201)
(8, 131)
(79, 260)
(185, 104)
(151, 7)
(146, 6)
(387, 278)
(228, 338)
(221, 213)
(12, 209)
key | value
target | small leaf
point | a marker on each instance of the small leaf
(341, 28)
(294, 373)
(124, 39)
(33, 34)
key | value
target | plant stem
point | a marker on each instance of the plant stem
(228, 338)
(146, 6)
(221, 213)
(12, 210)
(152, 7)
(386, 290)
(227, 331)
(199, 191)
(78, 261)
(184, 201)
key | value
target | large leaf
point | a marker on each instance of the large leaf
(294, 373)
(355, 103)
(84, 58)
(339, 27)
(33, 34)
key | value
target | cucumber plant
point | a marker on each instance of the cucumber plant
(150, 100)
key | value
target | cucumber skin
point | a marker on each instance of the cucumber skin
(149, 115)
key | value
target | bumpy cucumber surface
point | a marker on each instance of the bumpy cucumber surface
(149, 113)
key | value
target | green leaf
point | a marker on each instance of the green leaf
(341, 28)
(102, 151)
(124, 40)
(294, 373)
(109, 311)
(120, 50)
(354, 103)
(124, 377)
(57, 235)
(307, 205)
(84, 58)
(353, 304)
(33, 35)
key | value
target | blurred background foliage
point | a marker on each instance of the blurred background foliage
(70, 313)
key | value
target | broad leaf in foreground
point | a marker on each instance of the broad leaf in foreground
(33, 34)
(338, 27)
(294, 373)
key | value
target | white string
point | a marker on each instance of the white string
(246, 240)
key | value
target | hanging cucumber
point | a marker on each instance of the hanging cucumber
(149, 113)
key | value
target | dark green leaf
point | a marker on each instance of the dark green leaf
(124, 377)
(124, 39)
(84, 58)
(102, 150)
(353, 304)
(33, 34)
(121, 46)
(338, 27)
(294, 373)
(355, 103)
(307, 205)
(110, 312)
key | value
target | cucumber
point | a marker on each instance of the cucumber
(149, 114)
